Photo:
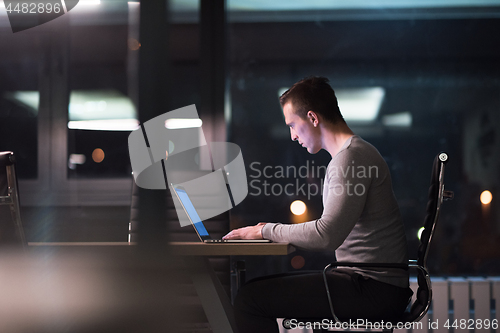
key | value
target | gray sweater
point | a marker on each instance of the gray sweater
(361, 221)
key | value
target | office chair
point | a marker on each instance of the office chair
(423, 295)
(11, 228)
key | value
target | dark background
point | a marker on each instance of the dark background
(444, 71)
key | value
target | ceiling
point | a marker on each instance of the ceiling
(116, 12)
(280, 5)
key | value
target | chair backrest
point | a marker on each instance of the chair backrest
(11, 229)
(435, 199)
(6, 158)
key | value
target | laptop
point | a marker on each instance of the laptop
(198, 225)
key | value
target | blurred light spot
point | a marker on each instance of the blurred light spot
(177, 123)
(281, 91)
(298, 262)
(352, 100)
(90, 106)
(105, 125)
(100, 105)
(166, 155)
(29, 99)
(133, 44)
(298, 207)
(486, 197)
(361, 104)
(75, 159)
(402, 119)
(419, 232)
(98, 155)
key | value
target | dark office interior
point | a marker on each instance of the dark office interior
(435, 67)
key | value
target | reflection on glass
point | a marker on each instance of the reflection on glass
(99, 122)
(427, 92)
(18, 129)
(360, 105)
(283, 5)
(102, 110)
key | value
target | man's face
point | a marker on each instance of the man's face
(302, 130)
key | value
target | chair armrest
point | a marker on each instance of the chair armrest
(367, 265)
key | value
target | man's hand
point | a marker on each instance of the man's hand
(253, 232)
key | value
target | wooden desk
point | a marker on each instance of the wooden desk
(215, 301)
(193, 248)
(233, 249)
(75, 244)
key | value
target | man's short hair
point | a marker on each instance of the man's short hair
(313, 93)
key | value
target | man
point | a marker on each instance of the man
(360, 221)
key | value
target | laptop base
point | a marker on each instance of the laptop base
(236, 241)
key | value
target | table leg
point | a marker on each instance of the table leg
(214, 299)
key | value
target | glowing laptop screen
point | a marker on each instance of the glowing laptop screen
(191, 211)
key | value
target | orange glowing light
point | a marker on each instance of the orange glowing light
(298, 207)
(98, 155)
(133, 44)
(486, 197)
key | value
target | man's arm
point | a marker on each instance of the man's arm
(342, 210)
(253, 232)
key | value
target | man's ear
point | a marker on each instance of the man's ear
(313, 118)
